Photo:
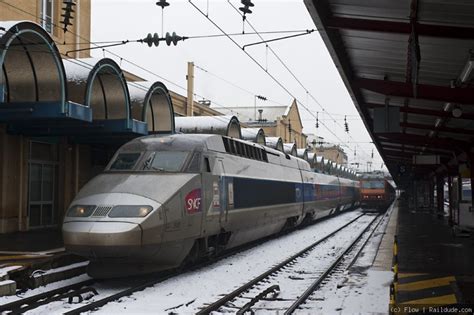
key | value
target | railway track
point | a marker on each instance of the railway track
(76, 290)
(68, 292)
(280, 288)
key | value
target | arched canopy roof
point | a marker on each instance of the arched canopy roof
(275, 143)
(151, 103)
(290, 148)
(32, 70)
(256, 135)
(99, 84)
(302, 153)
(223, 125)
(320, 165)
(312, 159)
(329, 166)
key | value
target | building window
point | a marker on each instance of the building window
(46, 15)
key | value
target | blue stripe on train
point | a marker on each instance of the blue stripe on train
(251, 192)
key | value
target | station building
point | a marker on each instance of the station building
(276, 121)
(328, 151)
(64, 114)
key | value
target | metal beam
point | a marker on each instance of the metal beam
(416, 148)
(459, 32)
(424, 112)
(441, 143)
(440, 128)
(423, 91)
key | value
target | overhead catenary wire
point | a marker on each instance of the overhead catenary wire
(135, 64)
(288, 69)
(83, 64)
(263, 68)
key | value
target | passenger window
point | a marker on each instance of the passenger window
(207, 165)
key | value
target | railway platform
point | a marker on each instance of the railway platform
(27, 259)
(434, 263)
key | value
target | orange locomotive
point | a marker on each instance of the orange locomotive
(376, 193)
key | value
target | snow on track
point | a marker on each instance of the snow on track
(188, 292)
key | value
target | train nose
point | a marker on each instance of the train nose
(102, 233)
(102, 239)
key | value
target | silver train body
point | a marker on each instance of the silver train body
(166, 199)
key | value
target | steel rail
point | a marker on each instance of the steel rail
(34, 301)
(314, 286)
(227, 298)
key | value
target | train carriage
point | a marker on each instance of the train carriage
(166, 199)
(376, 192)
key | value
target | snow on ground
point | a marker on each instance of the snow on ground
(190, 291)
(361, 290)
(5, 270)
(49, 287)
(358, 293)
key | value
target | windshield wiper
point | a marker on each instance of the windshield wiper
(157, 168)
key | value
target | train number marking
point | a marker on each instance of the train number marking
(192, 201)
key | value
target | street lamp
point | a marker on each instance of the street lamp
(260, 97)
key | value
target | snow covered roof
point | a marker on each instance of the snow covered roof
(151, 102)
(223, 125)
(100, 84)
(290, 148)
(31, 64)
(269, 113)
(256, 135)
(312, 159)
(302, 153)
(275, 143)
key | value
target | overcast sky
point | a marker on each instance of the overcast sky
(306, 56)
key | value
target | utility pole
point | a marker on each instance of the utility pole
(190, 98)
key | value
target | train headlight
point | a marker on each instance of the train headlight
(130, 211)
(80, 211)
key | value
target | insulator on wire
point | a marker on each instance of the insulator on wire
(152, 39)
(317, 120)
(173, 38)
(346, 125)
(68, 10)
(372, 155)
(247, 4)
(162, 3)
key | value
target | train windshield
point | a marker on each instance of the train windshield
(125, 161)
(373, 184)
(165, 161)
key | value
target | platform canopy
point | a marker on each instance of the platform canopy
(275, 143)
(256, 135)
(151, 103)
(100, 85)
(290, 148)
(223, 125)
(320, 164)
(302, 154)
(32, 77)
(408, 68)
(312, 159)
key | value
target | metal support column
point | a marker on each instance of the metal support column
(440, 195)
(450, 196)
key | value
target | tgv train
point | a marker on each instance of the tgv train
(165, 200)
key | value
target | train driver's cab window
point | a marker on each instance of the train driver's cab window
(125, 161)
(166, 161)
(373, 184)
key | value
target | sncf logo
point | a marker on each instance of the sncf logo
(193, 201)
